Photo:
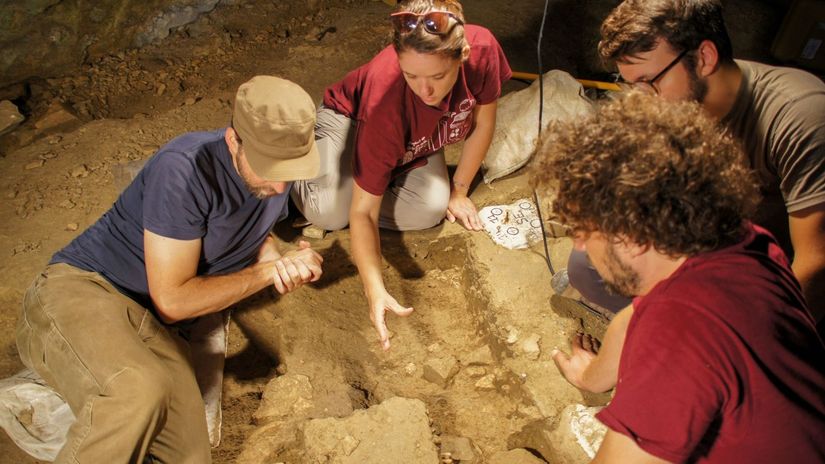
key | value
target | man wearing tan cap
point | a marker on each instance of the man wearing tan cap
(188, 237)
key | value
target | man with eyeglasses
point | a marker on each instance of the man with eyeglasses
(680, 50)
(720, 360)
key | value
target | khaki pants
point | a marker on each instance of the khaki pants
(127, 377)
(414, 201)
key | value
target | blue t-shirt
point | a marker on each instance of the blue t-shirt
(189, 189)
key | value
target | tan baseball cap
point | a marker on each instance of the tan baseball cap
(275, 119)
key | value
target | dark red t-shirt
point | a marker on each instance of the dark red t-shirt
(722, 364)
(395, 129)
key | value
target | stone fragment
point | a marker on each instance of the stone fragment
(515, 456)
(67, 204)
(58, 116)
(410, 368)
(486, 383)
(33, 164)
(460, 449)
(530, 346)
(72, 226)
(287, 396)
(313, 231)
(573, 437)
(512, 334)
(10, 117)
(397, 430)
(79, 171)
(475, 371)
(481, 356)
(190, 101)
(440, 370)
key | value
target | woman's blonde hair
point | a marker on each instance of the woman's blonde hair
(453, 44)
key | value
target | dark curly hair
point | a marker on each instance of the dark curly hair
(635, 26)
(655, 172)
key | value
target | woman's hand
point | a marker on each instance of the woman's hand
(462, 208)
(379, 305)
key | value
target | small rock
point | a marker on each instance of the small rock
(435, 347)
(440, 370)
(67, 204)
(410, 368)
(72, 226)
(481, 356)
(79, 171)
(349, 444)
(10, 117)
(313, 231)
(160, 90)
(34, 164)
(460, 449)
(475, 371)
(58, 115)
(47, 156)
(512, 334)
(486, 383)
(530, 346)
(189, 101)
(530, 412)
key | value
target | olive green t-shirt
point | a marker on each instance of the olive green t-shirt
(779, 117)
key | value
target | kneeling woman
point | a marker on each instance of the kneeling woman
(385, 126)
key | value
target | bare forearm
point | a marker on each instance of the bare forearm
(601, 375)
(366, 252)
(202, 295)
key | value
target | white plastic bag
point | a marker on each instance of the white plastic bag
(517, 120)
(34, 416)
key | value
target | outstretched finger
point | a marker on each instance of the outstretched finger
(377, 315)
(475, 221)
(400, 310)
(561, 360)
(587, 342)
(450, 216)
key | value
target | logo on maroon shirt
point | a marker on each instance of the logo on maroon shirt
(452, 127)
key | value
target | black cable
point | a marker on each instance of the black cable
(541, 71)
(538, 141)
(543, 234)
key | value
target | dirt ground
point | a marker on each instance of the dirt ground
(56, 181)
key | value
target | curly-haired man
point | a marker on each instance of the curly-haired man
(680, 50)
(717, 360)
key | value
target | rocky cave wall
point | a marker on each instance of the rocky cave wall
(50, 38)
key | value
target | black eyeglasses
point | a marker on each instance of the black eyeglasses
(648, 85)
(435, 22)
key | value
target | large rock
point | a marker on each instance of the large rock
(516, 456)
(397, 430)
(573, 437)
(10, 117)
(285, 397)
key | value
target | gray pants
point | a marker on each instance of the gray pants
(585, 279)
(416, 200)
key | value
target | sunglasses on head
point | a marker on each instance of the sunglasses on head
(435, 22)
